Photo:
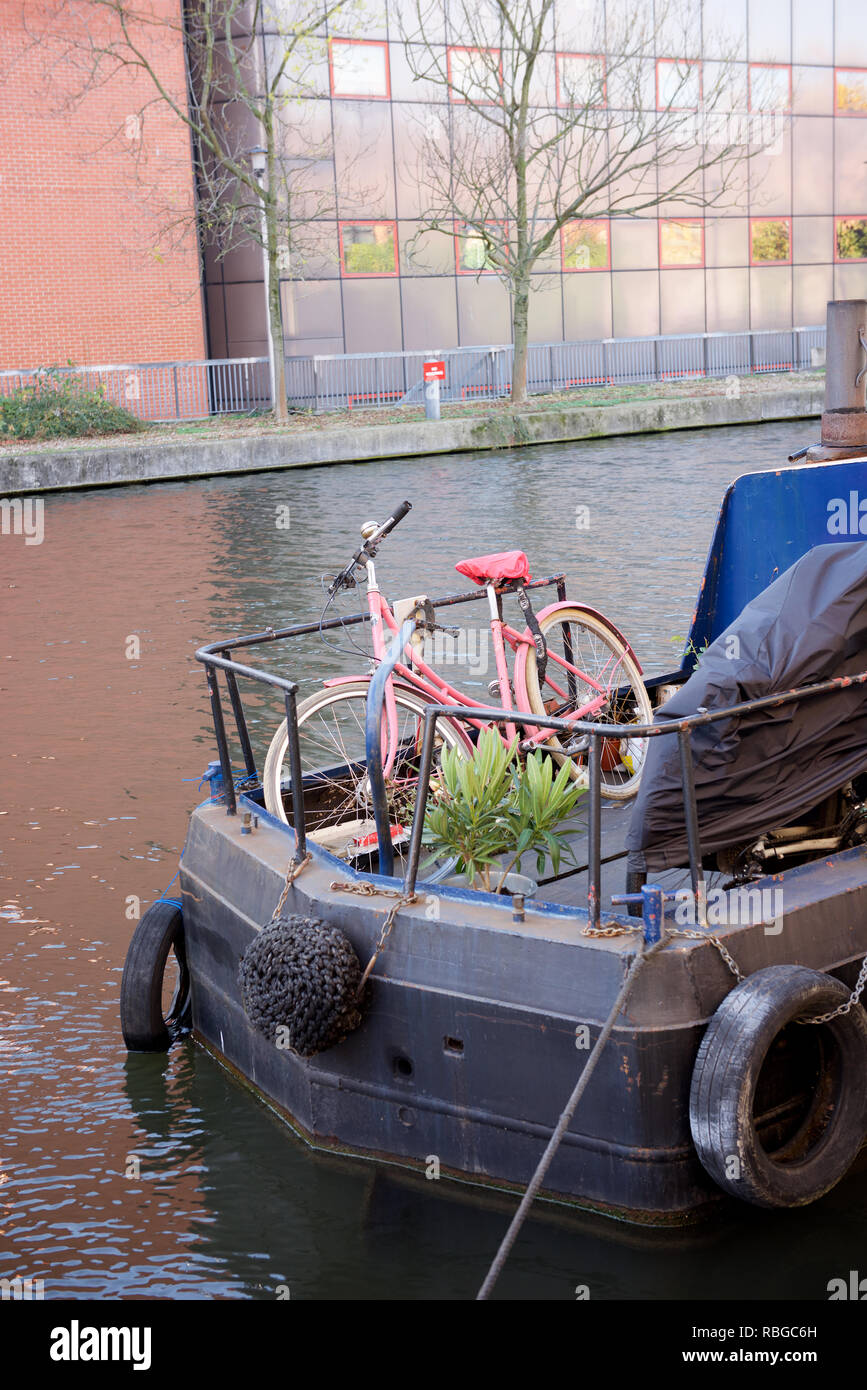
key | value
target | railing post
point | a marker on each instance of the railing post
(421, 793)
(373, 745)
(177, 397)
(240, 721)
(298, 818)
(594, 833)
(690, 810)
(222, 744)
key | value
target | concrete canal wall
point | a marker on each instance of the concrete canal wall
(141, 461)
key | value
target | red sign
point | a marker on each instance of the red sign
(434, 371)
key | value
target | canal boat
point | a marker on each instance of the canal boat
(387, 1013)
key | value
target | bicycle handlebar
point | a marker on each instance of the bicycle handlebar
(346, 578)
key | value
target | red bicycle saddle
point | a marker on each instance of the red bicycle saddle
(494, 569)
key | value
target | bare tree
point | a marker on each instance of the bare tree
(254, 101)
(517, 147)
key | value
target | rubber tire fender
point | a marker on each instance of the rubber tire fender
(726, 1072)
(145, 1027)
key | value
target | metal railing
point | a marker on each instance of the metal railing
(165, 391)
(388, 379)
(216, 657)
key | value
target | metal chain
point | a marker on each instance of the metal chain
(849, 1004)
(675, 931)
(292, 873)
(714, 941)
(733, 966)
(610, 931)
(369, 890)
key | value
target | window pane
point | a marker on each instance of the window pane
(473, 252)
(769, 88)
(770, 240)
(368, 248)
(359, 69)
(473, 73)
(852, 92)
(678, 84)
(585, 246)
(681, 243)
(851, 238)
(581, 80)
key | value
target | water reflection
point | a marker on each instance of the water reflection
(101, 762)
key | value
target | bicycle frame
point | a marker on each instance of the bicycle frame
(424, 679)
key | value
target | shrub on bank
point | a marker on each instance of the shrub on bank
(59, 406)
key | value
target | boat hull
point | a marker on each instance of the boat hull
(478, 1026)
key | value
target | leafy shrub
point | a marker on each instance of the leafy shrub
(486, 806)
(59, 406)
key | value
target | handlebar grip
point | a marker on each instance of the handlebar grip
(398, 515)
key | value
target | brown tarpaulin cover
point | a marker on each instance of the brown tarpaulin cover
(762, 770)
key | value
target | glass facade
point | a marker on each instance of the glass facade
(769, 257)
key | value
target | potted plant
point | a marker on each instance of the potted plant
(489, 811)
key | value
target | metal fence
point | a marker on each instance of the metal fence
(358, 380)
(164, 391)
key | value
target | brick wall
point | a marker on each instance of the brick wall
(90, 175)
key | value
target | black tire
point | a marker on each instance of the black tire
(146, 1028)
(810, 1082)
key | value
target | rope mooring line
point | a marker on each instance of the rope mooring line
(553, 1145)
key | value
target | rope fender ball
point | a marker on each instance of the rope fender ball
(808, 1082)
(299, 981)
(145, 1027)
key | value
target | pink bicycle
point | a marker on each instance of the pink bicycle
(570, 662)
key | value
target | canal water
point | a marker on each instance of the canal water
(160, 1176)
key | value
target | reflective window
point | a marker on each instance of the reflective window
(851, 91)
(770, 87)
(586, 245)
(681, 242)
(851, 239)
(473, 74)
(678, 84)
(368, 248)
(359, 68)
(580, 80)
(770, 240)
(473, 251)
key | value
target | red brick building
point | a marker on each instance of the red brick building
(87, 186)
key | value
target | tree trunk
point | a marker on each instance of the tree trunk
(520, 316)
(275, 316)
(279, 405)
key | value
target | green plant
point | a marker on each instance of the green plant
(487, 806)
(690, 649)
(59, 405)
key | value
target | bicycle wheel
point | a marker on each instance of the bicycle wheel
(586, 642)
(338, 801)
